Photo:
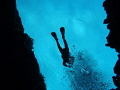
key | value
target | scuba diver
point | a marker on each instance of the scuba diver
(64, 51)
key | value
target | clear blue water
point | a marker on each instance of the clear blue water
(83, 22)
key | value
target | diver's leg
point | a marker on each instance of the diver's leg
(65, 43)
(54, 35)
(59, 47)
(56, 39)
(62, 30)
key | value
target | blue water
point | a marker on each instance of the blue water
(85, 32)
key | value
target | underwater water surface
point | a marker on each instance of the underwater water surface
(86, 38)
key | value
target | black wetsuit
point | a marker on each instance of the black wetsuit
(65, 56)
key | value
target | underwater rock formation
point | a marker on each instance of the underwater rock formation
(19, 69)
(113, 20)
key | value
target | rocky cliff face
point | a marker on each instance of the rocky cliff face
(113, 24)
(19, 69)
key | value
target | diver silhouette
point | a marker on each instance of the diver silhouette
(64, 51)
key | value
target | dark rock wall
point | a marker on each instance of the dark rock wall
(113, 24)
(113, 20)
(19, 69)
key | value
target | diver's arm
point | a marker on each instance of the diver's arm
(64, 63)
